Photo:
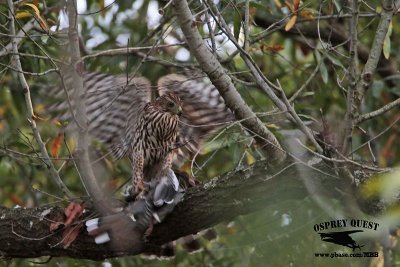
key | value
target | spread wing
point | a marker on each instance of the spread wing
(204, 110)
(112, 104)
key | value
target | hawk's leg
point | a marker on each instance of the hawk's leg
(138, 187)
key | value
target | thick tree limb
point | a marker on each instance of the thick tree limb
(25, 233)
(75, 70)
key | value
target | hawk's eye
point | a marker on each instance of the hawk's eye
(170, 105)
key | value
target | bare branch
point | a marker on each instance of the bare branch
(85, 168)
(363, 84)
(348, 120)
(377, 112)
(129, 50)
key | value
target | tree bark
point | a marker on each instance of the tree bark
(25, 232)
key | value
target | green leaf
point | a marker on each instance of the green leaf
(335, 61)
(387, 43)
(338, 5)
(236, 26)
(376, 89)
(324, 72)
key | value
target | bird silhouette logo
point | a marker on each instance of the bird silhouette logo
(342, 238)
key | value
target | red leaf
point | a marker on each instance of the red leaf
(296, 4)
(70, 234)
(56, 144)
(272, 48)
(72, 214)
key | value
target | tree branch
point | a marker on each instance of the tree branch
(75, 70)
(363, 84)
(25, 233)
(352, 73)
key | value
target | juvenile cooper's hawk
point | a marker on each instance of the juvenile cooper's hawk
(121, 114)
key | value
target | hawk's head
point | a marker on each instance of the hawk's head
(170, 103)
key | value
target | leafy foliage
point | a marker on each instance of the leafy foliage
(280, 235)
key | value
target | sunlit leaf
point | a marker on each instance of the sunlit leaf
(290, 23)
(250, 159)
(35, 8)
(40, 19)
(39, 109)
(23, 14)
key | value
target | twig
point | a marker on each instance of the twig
(27, 72)
(376, 136)
(344, 160)
(246, 25)
(307, 131)
(307, 82)
(377, 112)
(127, 50)
(28, 102)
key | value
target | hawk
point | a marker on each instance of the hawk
(122, 114)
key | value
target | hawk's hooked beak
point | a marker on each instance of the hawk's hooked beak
(176, 110)
(179, 111)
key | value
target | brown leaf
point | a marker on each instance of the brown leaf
(73, 213)
(307, 14)
(290, 23)
(296, 4)
(39, 118)
(55, 145)
(70, 234)
(16, 200)
(272, 48)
